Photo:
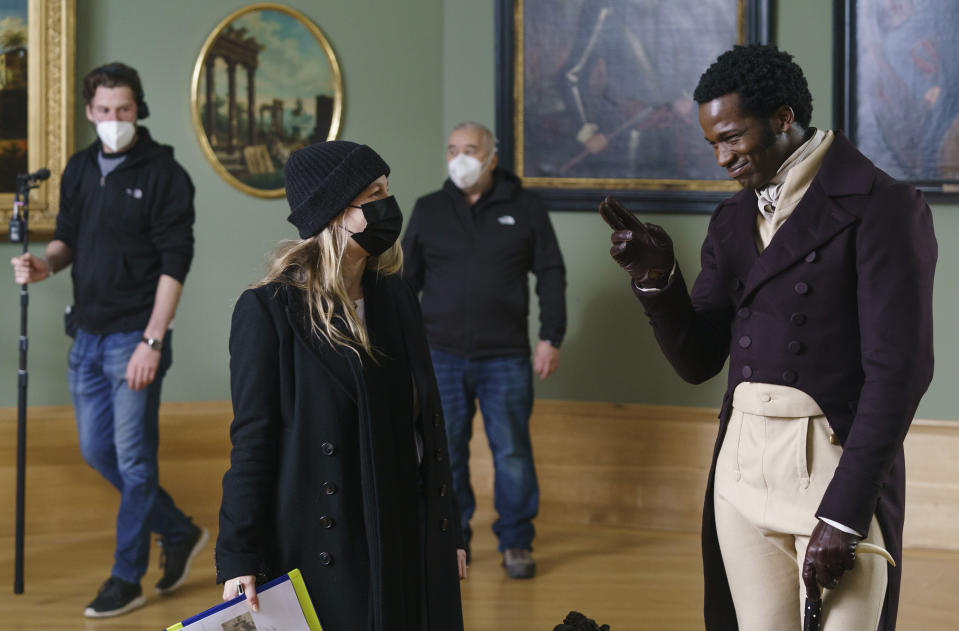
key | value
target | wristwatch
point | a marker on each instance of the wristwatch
(154, 343)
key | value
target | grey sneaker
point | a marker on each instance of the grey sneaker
(518, 563)
(115, 597)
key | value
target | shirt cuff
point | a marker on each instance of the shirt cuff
(836, 524)
(656, 290)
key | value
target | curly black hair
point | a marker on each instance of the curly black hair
(765, 78)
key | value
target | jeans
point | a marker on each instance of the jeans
(504, 388)
(119, 433)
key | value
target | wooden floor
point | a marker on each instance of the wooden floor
(639, 465)
(632, 580)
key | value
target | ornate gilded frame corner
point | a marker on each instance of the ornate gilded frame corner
(198, 128)
(51, 37)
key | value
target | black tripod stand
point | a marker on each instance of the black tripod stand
(19, 233)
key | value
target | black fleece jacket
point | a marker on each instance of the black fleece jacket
(125, 230)
(471, 265)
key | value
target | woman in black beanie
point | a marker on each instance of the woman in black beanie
(339, 464)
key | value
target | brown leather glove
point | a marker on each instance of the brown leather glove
(830, 553)
(642, 249)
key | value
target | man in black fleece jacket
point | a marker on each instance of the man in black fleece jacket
(469, 249)
(126, 227)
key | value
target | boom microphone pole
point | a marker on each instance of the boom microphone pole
(19, 233)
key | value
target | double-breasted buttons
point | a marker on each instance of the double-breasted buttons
(747, 372)
(798, 319)
(789, 377)
(326, 522)
(765, 398)
(801, 288)
(743, 313)
(745, 341)
(438, 455)
(795, 347)
(735, 284)
(442, 490)
(833, 439)
(328, 449)
(329, 488)
(325, 558)
(444, 524)
(811, 257)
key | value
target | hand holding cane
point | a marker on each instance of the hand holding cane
(819, 567)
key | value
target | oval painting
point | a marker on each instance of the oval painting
(266, 83)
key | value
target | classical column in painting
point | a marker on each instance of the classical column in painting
(231, 106)
(211, 98)
(250, 104)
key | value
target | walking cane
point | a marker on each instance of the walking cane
(19, 233)
(812, 615)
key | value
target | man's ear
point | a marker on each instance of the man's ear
(784, 118)
(89, 113)
(494, 161)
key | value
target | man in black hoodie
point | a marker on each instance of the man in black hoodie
(126, 227)
(469, 248)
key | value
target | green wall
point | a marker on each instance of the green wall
(412, 70)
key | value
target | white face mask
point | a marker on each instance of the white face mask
(465, 171)
(116, 135)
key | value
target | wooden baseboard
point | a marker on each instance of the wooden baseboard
(632, 466)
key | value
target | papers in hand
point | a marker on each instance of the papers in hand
(284, 604)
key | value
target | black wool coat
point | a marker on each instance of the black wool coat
(839, 305)
(307, 486)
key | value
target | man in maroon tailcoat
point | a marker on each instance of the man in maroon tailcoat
(816, 284)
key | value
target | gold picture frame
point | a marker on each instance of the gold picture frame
(246, 149)
(51, 41)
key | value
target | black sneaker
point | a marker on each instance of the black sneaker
(175, 558)
(115, 597)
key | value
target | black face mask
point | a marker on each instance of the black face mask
(384, 220)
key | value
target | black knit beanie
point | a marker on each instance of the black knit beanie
(322, 179)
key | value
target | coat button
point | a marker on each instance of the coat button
(735, 284)
(833, 439)
(437, 418)
(789, 377)
(327, 449)
(745, 341)
(798, 319)
(325, 558)
(442, 490)
(444, 524)
(765, 398)
(326, 522)
(747, 372)
(743, 313)
(438, 455)
(795, 347)
(329, 488)
(811, 257)
(801, 288)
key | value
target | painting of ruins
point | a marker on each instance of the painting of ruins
(13, 92)
(266, 83)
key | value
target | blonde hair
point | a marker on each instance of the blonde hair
(314, 266)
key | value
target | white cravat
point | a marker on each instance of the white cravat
(768, 196)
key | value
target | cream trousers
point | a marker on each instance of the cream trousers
(775, 463)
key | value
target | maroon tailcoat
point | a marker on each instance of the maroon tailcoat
(839, 305)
